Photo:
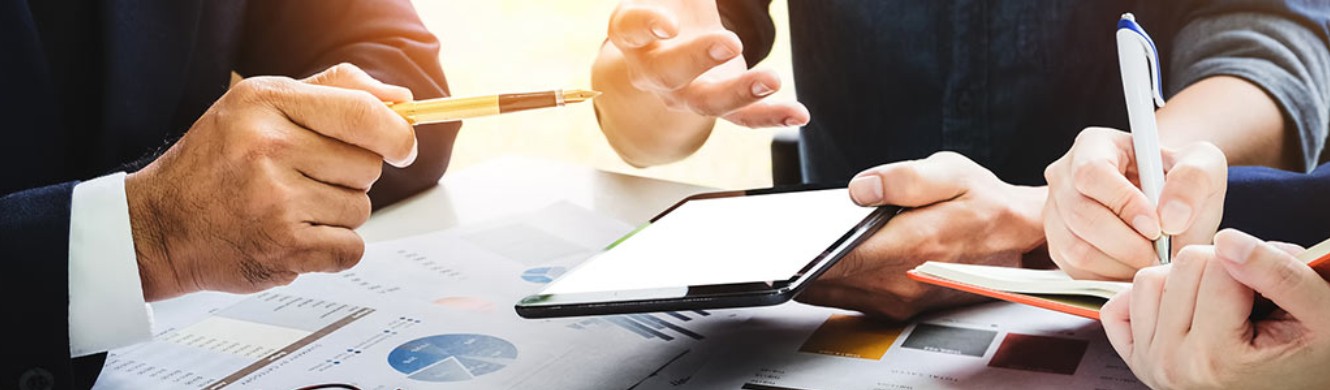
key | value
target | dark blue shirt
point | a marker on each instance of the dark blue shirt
(1008, 84)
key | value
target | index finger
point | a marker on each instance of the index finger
(1276, 275)
(1101, 159)
(351, 116)
(346, 75)
(635, 26)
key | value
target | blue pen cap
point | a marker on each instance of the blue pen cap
(1128, 22)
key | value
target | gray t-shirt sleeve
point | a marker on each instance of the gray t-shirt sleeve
(1290, 62)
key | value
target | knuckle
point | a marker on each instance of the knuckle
(365, 108)
(1190, 175)
(947, 155)
(665, 80)
(1149, 275)
(1287, 275)
(1081, 217)
(701, 104)
(262, 88)
(640, 81)
(361, 209)
(1077, 254)
(1192, 255)
(1086, 174)
(674, 103)
(1051, 172)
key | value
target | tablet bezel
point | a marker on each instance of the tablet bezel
(713, 296)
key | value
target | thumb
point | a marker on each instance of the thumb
(1275, 274)
(915, 183)
(1193, 192)
(346, 75)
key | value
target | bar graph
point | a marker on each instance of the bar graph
(663, 326)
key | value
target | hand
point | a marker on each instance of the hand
(267, 184)
(957, 212)
(679, 51)
(1188, 324)
(1101, 226)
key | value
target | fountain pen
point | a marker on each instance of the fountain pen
(450, 109)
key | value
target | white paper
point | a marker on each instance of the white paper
(434, 310)
(997, 345)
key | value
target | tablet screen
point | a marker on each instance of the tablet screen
(754, 238)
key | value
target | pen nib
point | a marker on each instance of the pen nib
(579, 95)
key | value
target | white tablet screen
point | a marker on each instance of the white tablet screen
(754, 238)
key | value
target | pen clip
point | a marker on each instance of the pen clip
(1128, 22)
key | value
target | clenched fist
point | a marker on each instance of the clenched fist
(269, 183)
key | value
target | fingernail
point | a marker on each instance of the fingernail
(1173, 217)
(720, 52)
(866, 190)
(1238, 249)
(415, 152)
(761, 89)
(791, 122)
(1146, 226)
(659, 32)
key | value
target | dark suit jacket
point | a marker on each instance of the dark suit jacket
(145, 70)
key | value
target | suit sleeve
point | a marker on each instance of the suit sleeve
(298, 38)
(751, 21)
(1279, 205)
(34, 238)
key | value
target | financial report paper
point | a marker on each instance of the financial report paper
(433, 310)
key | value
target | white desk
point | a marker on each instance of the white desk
(783, 347)
(512, 184)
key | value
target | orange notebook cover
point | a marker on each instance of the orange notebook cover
(1088, 306)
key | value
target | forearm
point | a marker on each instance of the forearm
(1235, 115)
(638, 124)
(1249, 65)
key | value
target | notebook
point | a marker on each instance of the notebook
(1053, 289)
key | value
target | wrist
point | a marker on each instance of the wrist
(1027, 208)
(148, 226)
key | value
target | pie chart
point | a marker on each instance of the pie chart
(543, 274)
(452, 357)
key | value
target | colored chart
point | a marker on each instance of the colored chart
(543, 274)
(852, 336)
(452, 357)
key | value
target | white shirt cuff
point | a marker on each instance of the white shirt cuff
(106, 305)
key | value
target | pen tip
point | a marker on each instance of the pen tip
(579, 95)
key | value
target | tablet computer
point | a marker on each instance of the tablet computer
(715, 250)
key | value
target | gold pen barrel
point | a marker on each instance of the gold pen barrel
(447, 109)
(450, 109)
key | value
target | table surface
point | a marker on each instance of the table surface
(516, 184)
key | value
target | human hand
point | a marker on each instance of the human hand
(679, 51)
(1098, 222)
(957, 211)
(267, 184)
(1188, 325)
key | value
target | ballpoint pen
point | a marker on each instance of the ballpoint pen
(1139, 60)
(449, 109)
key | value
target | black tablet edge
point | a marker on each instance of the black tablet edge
(773, 293)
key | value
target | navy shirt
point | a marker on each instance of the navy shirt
(1008, 84)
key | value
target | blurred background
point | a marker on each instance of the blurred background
(500, 46)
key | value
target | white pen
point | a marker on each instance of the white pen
(1139, 61)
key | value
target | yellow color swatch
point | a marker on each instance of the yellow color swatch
(853, 336)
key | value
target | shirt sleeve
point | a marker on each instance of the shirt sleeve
(1285, 58)
(106, 305)
(1279, 205)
